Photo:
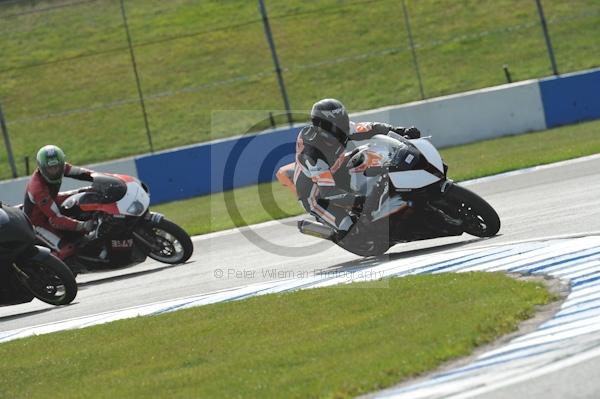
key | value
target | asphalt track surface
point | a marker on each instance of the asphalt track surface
(557, 200)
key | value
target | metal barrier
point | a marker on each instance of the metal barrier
(456, 119)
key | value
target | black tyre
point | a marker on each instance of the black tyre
(173, 244)
(49, 280)
(478, 217)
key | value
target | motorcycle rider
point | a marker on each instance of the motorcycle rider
(319, 174)
(43, 199)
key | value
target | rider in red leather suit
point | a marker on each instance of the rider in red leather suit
(43, 200)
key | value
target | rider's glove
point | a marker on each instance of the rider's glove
(86, 226)
(409, 132)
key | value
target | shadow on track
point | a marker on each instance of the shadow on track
(365, 263)
(86, 284)
(25, 314)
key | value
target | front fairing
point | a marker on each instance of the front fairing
(124, 197)
(16, 233)
(136, 200)
(377, 151)
(411, 165)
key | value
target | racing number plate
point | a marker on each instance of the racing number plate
(122, 243)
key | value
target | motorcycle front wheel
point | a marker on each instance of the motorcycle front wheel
(172, 244)
(477, 216)
(48, 279)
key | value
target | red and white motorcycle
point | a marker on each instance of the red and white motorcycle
(126, 231)
(416, 200)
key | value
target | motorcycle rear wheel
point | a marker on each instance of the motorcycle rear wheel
(49, 280)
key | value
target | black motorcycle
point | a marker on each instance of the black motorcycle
(28, 270)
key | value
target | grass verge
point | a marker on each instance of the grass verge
(209, 213)
(326, 342)
(66, 75)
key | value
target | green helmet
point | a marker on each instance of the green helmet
(51, 163)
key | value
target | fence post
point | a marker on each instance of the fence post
(9, 153)
(265, 18)
(412, 48)
(272, 120)
(137, 77)
(547, 36)
(507, 73)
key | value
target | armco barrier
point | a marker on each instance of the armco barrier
(451, 120)
(571, 98)
(470, 116)
(227, 164)
(217, 166)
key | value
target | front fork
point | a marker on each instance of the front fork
(445, 186)
(443, 189)
(153, 218)
(36, 253)
(150, 219)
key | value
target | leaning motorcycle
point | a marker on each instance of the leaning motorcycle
(28, 271)
(415, 199)
(126, 231)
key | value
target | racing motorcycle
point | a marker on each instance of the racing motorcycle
(29, 271)
(414, 198)
(125, 231)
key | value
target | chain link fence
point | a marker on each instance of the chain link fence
(67, 74)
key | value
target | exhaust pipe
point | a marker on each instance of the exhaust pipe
(315, 229)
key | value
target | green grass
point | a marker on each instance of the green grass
(196, 58)
(211, 213)
(328, 342)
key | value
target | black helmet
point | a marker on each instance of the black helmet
(331, 117)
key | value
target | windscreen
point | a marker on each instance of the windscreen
(386, 147)
(109, 188)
